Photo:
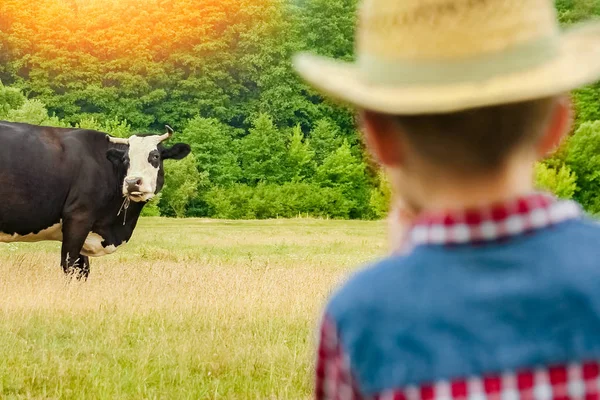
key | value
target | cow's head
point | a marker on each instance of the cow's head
(142, 163)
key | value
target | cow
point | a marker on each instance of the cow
(81, 187)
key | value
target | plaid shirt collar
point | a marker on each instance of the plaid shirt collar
(499, 221)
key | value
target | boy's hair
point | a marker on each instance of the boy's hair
(479, 139)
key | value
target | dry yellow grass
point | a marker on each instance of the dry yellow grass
(189, 309)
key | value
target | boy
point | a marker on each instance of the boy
(495, 289)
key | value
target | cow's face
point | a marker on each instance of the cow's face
(142, 163)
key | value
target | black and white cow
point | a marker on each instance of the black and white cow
(81, 187)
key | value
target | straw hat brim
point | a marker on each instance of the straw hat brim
(577, 64)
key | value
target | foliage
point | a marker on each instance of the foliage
(152, 208)
(381, 194)
(562, 181)
(301, 158)
(324, 139)
(289, 200)
(263, 153)
(341, 170)
(10, 99)
(220, 73)
(586, 102)
(214, 149)
(573, 11)
(33, 112)
(182, 184)
(584, 160)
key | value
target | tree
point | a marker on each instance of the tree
(379, 201)
(586, 102)
(214, 148)
(301, 164)
(344, 172)
(573, 11)
(324, 139)
(220, 73)
(182, 184)
(263, 153)
(584, 160)
(327, 27)
(10, 99)
(34, 112)
(152, 208)
(562, 181)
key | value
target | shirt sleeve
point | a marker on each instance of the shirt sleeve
(334, 379)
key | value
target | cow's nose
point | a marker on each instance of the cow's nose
(133, 184)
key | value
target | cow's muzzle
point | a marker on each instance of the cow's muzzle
(133, 184)
(135, 190)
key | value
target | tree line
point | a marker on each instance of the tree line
(264, 144)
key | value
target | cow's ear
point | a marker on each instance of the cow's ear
(115, 156)
(177, 152)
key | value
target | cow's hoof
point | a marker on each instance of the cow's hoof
(77, 273)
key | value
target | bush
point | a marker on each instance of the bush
(345, 173)
(151, 209)
(34, 112)
(562, 181)
(289, 200)
(10, 99)
(182, 183)
(583, 159)
(379, 202)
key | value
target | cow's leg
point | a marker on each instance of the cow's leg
(84, 269)
(75, 232)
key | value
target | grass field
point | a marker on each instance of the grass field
(189, 309)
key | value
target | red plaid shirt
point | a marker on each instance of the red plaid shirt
(334, 377)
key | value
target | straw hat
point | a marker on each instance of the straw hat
(436, 56)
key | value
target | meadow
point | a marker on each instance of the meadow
(189, 309)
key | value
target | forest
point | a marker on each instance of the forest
(219, 72)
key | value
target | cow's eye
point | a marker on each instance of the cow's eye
(155, 157)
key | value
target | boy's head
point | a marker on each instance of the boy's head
(474, 144)
(460, 90)
(474, 141)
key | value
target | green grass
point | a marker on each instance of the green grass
(188, 309)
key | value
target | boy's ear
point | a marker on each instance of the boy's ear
(176, 152)
(383, 138)
(558, 127)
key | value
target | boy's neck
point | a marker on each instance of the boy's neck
(459, 194)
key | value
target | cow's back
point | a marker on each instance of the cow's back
(37, 166)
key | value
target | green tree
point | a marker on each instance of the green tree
(301, 164)
(573, 11)
(182, 182)
(34, 112)
(152, 209)
(562, 181)
(586, 102)
(263, 153)
(214, 147)
(10, 99)
(584, 160)
(379, 201)
(342, 171)
(324, 139)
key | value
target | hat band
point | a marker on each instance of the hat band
(401, 72)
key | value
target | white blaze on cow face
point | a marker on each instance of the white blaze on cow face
(140, 183)
(144, 164)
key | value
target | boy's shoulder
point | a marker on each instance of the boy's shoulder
(410, 282)
(472, 309)
(394, 278)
